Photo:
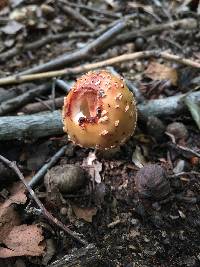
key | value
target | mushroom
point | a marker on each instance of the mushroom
(99, 111)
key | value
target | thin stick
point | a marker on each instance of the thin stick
(96, 10)
(17, 50)
(187, 23)
(184, 174)
(35, 179)
(22, 99)
(45, 212)
(100, 64)
(42, 106)
(76, 15)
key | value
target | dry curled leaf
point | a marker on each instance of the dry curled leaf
(23, 240)
(85, 213)
(160, 72)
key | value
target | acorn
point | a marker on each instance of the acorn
(99, 111)
(151, 182)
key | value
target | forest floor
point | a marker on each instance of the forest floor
(106, 221)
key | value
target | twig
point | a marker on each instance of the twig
(188, 23)
(183, 148)
(184, 173)
(111, 61)
(85, 52)
(47, 124)
(18, 101)
(77, 16)
(6, 94)
(45, 212)
(35, 179)
(31, 46)
(42, 106)
(99, 11)
(187, 149)
(122, 38)
(65, 86)
(48, 39)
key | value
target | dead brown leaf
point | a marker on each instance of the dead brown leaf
(85, 213)
(23, 240)
(8, 216)
(19, 239)
(159, 72)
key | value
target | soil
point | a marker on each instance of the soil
(126, 229)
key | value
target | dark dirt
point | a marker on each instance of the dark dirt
(127, 230)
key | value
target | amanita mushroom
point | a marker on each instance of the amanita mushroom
(99, 111)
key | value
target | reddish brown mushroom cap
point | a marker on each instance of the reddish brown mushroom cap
(99, 111)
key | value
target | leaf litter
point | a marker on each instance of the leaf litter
(18, 239)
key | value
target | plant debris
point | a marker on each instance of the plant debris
(135, 205)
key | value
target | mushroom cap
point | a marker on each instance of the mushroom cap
(99, 111)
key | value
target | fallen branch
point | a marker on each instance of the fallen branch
(47, 124)
(43, 210)
(111, 61)
(30, 126)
